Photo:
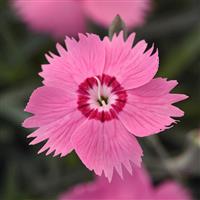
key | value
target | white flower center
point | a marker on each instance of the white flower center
(101, 96)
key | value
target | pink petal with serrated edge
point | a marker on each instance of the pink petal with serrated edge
(86, 57)
(58, 134)
(105, 146)
(48, 104)
(131, 66)
(149, 110)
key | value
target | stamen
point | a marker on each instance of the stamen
(103, 103)
(98, 88)
(100, 99)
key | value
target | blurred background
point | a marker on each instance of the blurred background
(174, 27)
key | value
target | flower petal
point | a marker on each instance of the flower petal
(105, 146)
(132, 67)
(57, 73)
(48, 104)
(58, 134)
(86, 57)
(149, 110)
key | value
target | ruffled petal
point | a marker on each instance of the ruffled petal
(149, 108)
(58, 134)
(105, 146)
(86, 57)
(132, 67)
(48, 104)
(58, 73)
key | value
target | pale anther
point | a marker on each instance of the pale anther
(99, 91)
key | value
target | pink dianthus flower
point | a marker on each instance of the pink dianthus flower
(97, 96)
(137, 187)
